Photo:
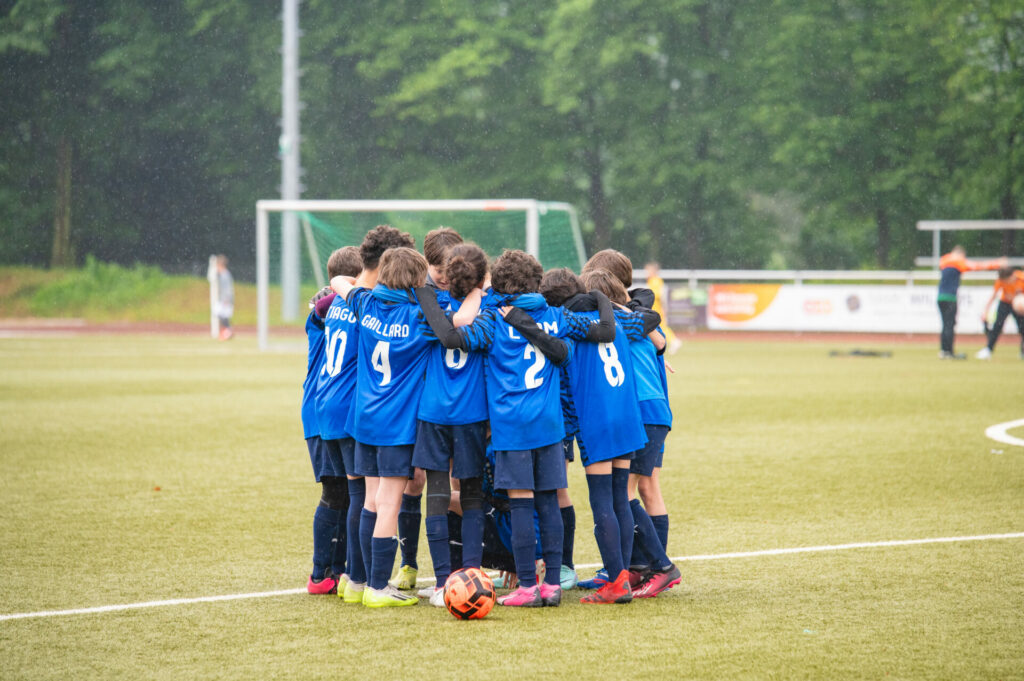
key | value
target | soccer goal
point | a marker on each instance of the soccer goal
(295, 238)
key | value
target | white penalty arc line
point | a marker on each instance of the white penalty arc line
(680, 559)
(998, 432)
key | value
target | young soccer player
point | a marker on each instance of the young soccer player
(661, 574)
(652, 392)
(394, 341)
(436, 245)
(327, 396)
(523, 388)
(1009, 285)
(951, 266)
(341, 401)
(451, 432)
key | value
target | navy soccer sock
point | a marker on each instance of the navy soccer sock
(648, 537)
(437, 540)
(409, 516)
(661, 527)
(639, 558)
(606, 524)
(550, 521)
(354, 548)
(472, 537)
(568, 534)
(620, 502)
(325, 537)
(384, 550)
(367, 519)
(524, 540)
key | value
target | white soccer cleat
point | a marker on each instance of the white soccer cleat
(984, 353)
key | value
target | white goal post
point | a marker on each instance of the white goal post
(532, 210)
(937, 227)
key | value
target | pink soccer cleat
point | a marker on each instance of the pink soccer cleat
(523, 597)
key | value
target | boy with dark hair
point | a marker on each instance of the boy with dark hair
(523, 387)
(325, 449)
(1009, 285)
(436, 245)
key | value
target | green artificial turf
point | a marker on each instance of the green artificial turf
(143, 468)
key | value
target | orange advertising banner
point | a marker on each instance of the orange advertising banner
(740, 302)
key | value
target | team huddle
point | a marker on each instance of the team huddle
(480, 382)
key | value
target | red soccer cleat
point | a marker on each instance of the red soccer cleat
(612, 592)
(660, 580)
(327, 585)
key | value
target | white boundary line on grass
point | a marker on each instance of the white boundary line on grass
(998, 432)
(715, 556)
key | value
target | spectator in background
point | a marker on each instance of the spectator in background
(951, 266)
(225, 298)
(1009, 285)
(657, 285)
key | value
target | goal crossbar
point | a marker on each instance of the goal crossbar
(937, 227)
(532, 208)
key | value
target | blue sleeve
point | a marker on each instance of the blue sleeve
(575, 326)
(480, 334)
(356, 300)
(632, 324)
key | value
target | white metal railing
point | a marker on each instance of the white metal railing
(909, 277)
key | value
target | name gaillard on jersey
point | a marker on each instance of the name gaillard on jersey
(388, 330)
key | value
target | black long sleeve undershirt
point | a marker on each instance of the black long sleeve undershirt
(438, 320)
(553, 348)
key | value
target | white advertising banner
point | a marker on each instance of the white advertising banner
(839, 307)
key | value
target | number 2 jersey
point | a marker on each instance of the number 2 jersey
(523, 387)
(455, 394)
(393, 346)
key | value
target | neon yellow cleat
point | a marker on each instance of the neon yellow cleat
(353, 592)
(342, 583)
(405, 578)
(388, 597)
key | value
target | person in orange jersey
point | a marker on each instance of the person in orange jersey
(951, 266)
(1009, 285)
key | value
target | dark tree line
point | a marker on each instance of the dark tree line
(792, 133)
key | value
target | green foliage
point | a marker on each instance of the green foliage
(103, 286)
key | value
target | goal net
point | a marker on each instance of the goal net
(295, 238)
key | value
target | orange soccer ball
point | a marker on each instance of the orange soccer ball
(469, 594)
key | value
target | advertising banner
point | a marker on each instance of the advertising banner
(839, 307)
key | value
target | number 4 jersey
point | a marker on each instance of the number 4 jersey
(394, 342)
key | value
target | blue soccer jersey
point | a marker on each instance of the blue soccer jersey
(454, 394)
(314, 363)
(394, 343)
(651, 383)
(604, 391)
(523, 387)
(337, 381)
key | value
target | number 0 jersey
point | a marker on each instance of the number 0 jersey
(604, 391)
(394, 341)
(337, 378)
(454, 394)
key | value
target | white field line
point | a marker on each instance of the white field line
(680, 559)
(998, 432)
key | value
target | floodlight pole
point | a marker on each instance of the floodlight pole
(289, 152)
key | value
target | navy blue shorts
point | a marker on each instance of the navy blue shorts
(384, 461)
(650, 457)
(541, 469)
(326, 457)
(464, 446)
(585, 458)
(567, 449)
(348, 455)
